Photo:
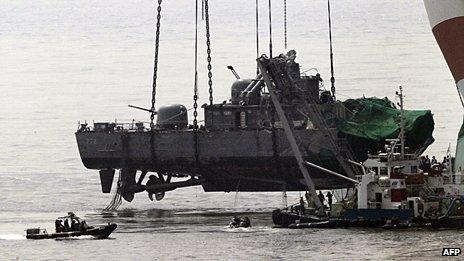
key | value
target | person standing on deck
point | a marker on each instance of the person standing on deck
(422, 163)
(58, 226)
(427, 163)
(321, 197)
(302, 207)
(66, 225)
(329, 199)
(308, 198)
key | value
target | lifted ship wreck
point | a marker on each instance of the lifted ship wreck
(281, 131)
(243, 145)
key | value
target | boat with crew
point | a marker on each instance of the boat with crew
(71, 226)
(237, 222)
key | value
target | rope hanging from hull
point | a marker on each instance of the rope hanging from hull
(117, 197)
(284, 196)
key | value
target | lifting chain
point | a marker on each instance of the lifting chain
(195, 88)
(195, 104)
(208, 51)
(332, 78)
(195, 84)
(257, 33)
(285, 24)
(270, 29)
(155, 66)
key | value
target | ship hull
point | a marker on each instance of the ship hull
(243, 160)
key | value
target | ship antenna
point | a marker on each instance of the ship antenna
(401, 104)
(332, 78)
(270, 30)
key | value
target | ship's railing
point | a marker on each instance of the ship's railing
(114, 126)
(394, 156)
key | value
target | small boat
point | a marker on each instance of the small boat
(99, 233)
(78, 228)
(240, 222)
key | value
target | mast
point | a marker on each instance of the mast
(401, 104)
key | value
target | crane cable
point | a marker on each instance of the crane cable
(270, 30)
(202, 10)
(155, 66)
(208, 51)
(285, 24)
(332, 78)
(195, 87)
(257, 34)
(155, 75)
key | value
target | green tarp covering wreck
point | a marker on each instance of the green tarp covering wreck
(370, 121)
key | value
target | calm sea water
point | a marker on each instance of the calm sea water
(65, 61)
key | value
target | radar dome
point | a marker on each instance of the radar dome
(172, 117)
